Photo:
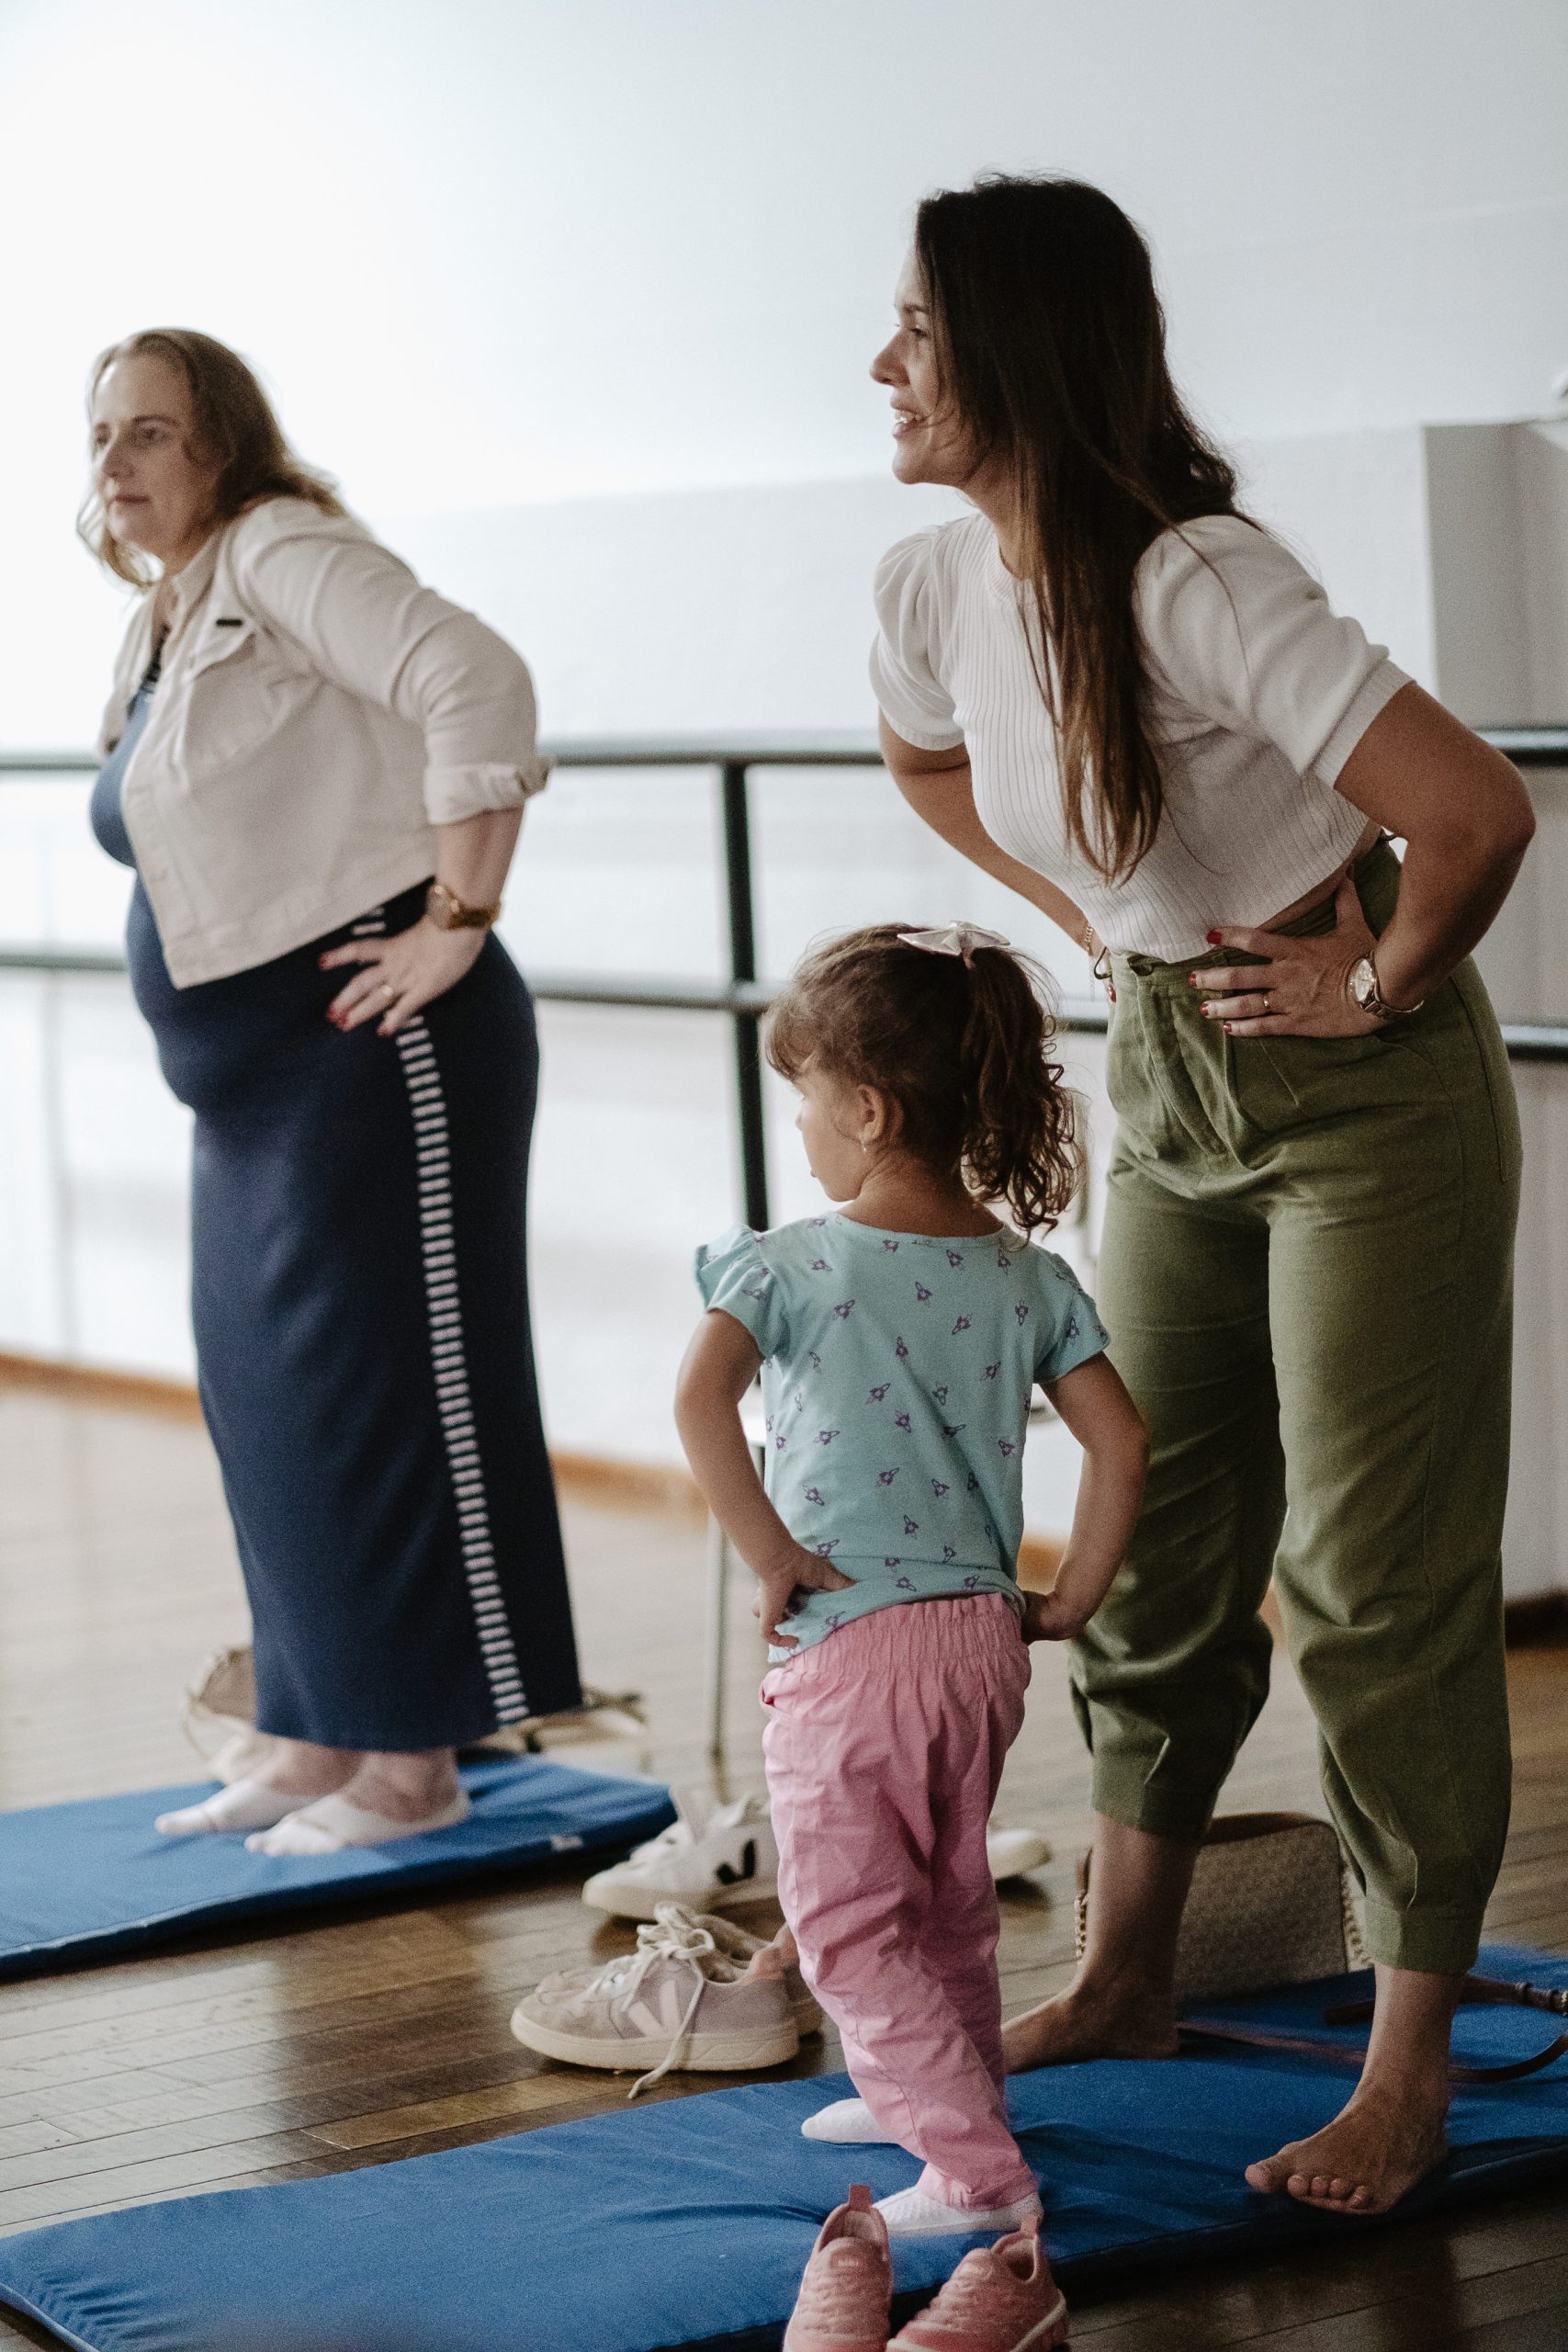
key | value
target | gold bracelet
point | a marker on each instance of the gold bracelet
(447, 911)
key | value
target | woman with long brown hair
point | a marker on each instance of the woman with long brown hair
(1109, 688)
(317, 768)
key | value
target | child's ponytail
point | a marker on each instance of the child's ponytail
(964, 1043)
(1021, 1141)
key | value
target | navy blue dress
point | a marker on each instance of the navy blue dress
(359, 1297)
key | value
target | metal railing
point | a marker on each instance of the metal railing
(742, 996)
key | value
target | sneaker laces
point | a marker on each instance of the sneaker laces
(671, 1934)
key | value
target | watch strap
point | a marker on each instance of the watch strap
(1369, 997)
(449, 912)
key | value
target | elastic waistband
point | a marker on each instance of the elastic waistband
(1375, 866)
(961, 1626)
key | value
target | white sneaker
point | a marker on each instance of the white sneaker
(676, 1999)
(909, 2215)
(712, 1859)
(1011, 1852)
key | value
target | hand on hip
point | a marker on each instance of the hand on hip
(1301, 987)
(399, 975)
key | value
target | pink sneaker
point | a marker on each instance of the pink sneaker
(848, 2284)
(1001, 2298)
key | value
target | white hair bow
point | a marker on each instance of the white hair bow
(953, 939)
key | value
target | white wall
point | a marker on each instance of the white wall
(577, 298)
(495, 251)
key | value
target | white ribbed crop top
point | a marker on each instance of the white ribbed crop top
(1256, 696)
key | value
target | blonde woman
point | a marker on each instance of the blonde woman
(318, 768)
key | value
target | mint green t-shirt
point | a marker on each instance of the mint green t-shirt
(897, 1374)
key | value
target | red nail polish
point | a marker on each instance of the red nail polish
(1212, 937)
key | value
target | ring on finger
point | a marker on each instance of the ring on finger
(388, 990)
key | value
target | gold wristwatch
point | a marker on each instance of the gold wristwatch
(1364, 992)
(447, 913)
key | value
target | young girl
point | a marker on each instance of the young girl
(899, 1338)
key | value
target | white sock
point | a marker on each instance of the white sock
(335, 1822)
(244, 1804)
(849, 2120)
(910, 2215)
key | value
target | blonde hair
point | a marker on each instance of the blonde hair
(234, 422)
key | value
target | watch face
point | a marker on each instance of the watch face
(1363, 982)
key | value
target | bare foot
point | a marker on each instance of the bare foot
(1088, 2022)
(404, 1787)
(1373, 2153)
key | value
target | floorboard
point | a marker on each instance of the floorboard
(295, 2049)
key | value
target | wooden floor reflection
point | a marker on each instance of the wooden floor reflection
(282, 2053)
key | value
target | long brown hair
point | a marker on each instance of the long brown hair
(1050, 341)
(962, 1045)
(235, 423)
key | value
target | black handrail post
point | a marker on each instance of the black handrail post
(747, 1027)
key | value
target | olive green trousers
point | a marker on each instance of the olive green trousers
(1306, 1274)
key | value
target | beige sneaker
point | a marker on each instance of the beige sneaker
(677, 1997)
(734, 1943)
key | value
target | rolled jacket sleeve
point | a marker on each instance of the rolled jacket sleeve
(359, 617)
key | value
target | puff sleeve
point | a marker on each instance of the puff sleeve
(909, 693)
(1242, 634)
(734, 1276)
(1069, 1325)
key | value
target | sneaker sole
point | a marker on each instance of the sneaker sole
(813, 2342)
(706, 2053)
(641, 1901)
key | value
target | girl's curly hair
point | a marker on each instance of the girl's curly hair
(964, 1047)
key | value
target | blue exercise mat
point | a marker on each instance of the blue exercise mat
(688, 2222)
(94, 1880)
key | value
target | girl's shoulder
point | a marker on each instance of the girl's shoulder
(774, 1255)
(1052, 1277)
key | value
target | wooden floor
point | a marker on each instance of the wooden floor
(283, 2052)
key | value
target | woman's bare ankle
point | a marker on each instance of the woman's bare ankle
(298, 1767)
(405, 1787)
(1095, 2016)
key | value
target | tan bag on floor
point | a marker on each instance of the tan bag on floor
(1271, 1905)
(219, 1713)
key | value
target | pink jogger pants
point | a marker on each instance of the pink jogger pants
(884, 1746)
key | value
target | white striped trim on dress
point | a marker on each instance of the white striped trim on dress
(454, 1402)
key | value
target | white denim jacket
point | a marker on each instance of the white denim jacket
(317, 712)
